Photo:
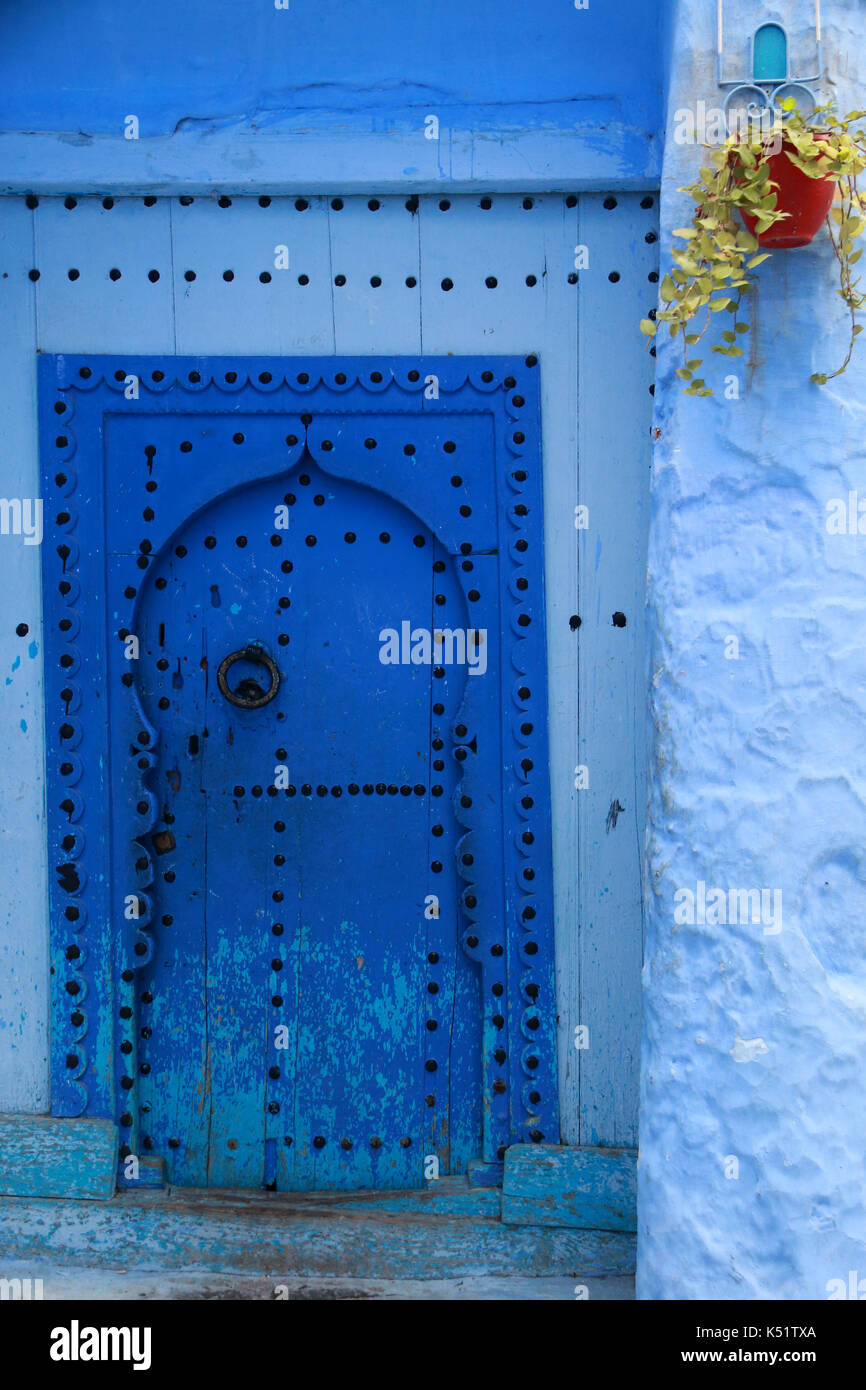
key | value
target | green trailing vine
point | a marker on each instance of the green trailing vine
(716, 268)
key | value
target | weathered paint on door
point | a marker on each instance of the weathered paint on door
(318, 880)
(291, 1023)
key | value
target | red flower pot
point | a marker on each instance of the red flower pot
(806, 200)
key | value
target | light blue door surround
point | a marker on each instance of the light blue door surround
(576, 320)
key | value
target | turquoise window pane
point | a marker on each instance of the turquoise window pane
(770, 60)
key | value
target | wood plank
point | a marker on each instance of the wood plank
(585, 1188)
(24, 998)
(380, 244)
(451, 1196)
(44, 1157)
(600, 963)
(82, 303)
(180, 1231)
(243, 314)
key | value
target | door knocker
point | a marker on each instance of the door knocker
(249, 694)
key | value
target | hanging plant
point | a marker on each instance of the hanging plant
(763, 190)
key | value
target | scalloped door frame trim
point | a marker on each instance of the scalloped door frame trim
(95, 951)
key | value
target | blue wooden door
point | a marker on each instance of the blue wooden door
(288, 1040)
(309, 867)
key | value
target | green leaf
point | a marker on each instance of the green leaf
(687, 232)
(648, 328)
(756, 260)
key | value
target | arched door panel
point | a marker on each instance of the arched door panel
(299, 976)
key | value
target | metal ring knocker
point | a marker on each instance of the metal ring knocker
(249, 694)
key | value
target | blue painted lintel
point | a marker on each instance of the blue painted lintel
(41, 1156)
(602, 153)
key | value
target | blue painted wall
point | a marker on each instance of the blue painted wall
(751, 1178)
(83, 66)
(238, 95)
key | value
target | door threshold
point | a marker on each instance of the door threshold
(415, 1235)
(451, 1196)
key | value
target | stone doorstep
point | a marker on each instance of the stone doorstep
(382, 1236)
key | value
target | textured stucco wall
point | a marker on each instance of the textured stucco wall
(755, 1040)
